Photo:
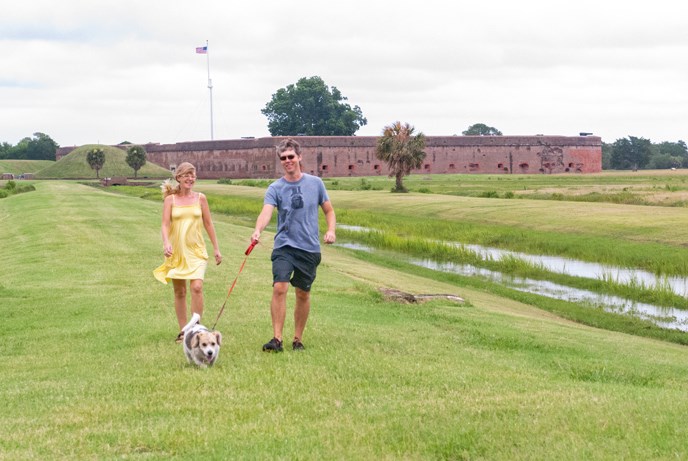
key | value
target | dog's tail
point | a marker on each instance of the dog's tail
(195, 318)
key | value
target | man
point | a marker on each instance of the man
(296, 253)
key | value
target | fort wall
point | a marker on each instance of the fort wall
(337, 156)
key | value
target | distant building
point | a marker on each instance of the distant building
(337, 156)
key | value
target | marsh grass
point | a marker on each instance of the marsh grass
(490, 379)
(586, 314)
(622, 198)
(659, 294)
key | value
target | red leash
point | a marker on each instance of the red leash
(247, 252)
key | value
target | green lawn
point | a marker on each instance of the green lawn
(18, 167)
(655, 187)
(90, 369)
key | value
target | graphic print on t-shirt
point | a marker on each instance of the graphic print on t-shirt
(296, 198)
(296, 203)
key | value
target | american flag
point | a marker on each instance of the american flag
(201, 49)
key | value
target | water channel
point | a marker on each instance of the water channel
(664, 317)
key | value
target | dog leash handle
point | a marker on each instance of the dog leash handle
(251, 247)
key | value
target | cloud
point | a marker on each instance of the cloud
(124, 70)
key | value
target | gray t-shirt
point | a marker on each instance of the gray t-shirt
(297, 204)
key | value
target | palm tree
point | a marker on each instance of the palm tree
(401, 150)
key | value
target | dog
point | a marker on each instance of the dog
(201, 346)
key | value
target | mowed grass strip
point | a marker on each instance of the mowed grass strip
(90, 370)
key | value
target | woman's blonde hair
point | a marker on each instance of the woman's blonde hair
(168, 187)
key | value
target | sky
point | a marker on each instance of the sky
(112, 71)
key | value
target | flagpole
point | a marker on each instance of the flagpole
(210, 88)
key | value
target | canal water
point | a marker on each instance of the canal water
(665, 317)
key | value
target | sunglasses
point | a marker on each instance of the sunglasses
(287, 157)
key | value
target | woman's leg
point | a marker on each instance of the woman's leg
(197, 297)
(180, 301)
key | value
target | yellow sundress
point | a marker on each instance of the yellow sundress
(189, 256)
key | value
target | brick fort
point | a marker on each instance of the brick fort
(337, 156)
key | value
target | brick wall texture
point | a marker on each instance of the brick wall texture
(336, 156)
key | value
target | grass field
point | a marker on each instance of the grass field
(647, 187)
(18, 167)
(90, 369)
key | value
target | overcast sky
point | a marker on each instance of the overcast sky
(110, 71)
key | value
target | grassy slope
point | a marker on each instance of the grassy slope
(75, 166)
(90, 370)
(18, 167)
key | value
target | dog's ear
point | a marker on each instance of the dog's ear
(218, 338)
(195, 341)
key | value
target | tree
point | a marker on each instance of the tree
(606, 156)
(401, 151)
(5, 150)
(480, 129)
(675, 149)
(96, 159)
(40, 147)
(632, 153)
(310, 108)
(664, 161)
(136, 158)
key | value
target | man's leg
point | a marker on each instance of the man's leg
(301, 311)
(278, 307)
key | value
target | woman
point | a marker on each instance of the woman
(184, 212)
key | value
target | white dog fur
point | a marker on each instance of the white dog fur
(201, 346)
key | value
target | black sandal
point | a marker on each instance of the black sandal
(180, 338)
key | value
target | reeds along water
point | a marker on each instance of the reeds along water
(627, 290)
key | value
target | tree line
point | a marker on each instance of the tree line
(310, 107)
(635, 153)
(39, 147)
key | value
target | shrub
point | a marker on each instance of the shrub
(489, 194)
(11, 188)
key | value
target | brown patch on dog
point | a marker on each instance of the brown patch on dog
(206, 337)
